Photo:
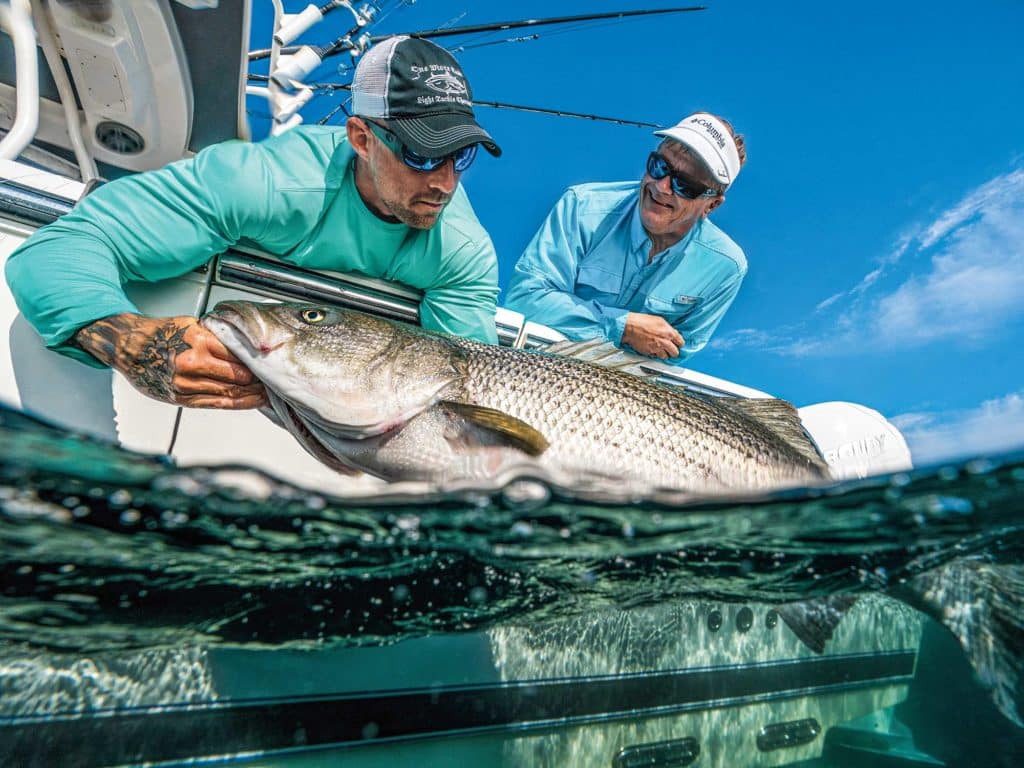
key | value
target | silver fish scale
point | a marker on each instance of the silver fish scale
(604, 422)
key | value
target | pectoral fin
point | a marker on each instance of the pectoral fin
(495, 428)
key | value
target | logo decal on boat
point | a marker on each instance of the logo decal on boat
(867, 448)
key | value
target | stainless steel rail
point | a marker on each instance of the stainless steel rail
(31, 205)
(280, 281)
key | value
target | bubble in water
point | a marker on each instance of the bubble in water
(120, 498)
(400, 593)
(408, 523)
(939, 505)
(478, 595)
(182, 483)
(170, 518)
(522, 528)
(525, 494)
(980, 466)
(130, 517)
(892, 495)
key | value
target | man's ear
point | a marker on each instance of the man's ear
(358, 136)
(714, 203)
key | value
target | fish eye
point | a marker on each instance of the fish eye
(313, 316)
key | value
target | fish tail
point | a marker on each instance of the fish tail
(815, 621)
(982, 604)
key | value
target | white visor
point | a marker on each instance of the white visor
(711, 141)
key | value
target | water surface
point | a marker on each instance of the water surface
(107, 551)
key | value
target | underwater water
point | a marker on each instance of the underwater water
(130, 585)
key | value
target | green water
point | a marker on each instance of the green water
(128, 583)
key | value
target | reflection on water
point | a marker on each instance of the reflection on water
(122, 574)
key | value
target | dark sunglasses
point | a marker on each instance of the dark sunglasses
(461, 158)
(658, 168)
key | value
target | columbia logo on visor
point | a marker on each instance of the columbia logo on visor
(710, 128)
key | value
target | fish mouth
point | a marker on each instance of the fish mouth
(235, 322)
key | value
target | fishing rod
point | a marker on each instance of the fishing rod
(297, 62)
(564, 113)
(346, 43)
(502, 26)
(331, 87)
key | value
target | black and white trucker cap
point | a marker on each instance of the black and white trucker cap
(420, 89)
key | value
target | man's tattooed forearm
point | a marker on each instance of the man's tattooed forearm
(141, 348)
(105, 337)
(153, 369)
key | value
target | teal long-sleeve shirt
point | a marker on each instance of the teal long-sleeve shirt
(293, 196)
(587, 268)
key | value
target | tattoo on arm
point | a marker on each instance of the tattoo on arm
(143, 349)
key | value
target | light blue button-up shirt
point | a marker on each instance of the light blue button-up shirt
(586, 269)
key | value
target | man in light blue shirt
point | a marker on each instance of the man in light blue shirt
(641, 265)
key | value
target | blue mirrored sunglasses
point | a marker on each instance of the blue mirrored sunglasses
(685, 187)
(461, 158)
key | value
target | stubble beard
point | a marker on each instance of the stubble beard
(411, 218)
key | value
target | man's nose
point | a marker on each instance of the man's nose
(664, 185)
(444, 178)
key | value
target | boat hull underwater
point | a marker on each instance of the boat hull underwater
(588, 691)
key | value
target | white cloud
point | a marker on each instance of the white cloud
(993, 426)
(829, 301)
(1001, 192)
(974, 285)
(968, 286)
(744, 338)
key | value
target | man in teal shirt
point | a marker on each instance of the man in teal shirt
(381, 198)
(641, 264)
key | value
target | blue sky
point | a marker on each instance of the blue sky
(881, 208)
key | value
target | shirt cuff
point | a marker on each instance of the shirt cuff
(614, 323)
(61, 337)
